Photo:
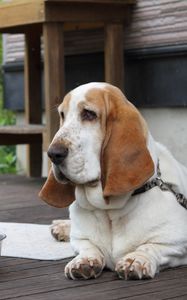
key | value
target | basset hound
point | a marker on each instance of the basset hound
(124, 189)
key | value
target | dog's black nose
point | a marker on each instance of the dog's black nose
(57, 153)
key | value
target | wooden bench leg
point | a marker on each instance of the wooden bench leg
(114, 61)
(33, 101)
(54, 73)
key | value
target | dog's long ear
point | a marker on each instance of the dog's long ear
(126, 161)
(57, 194)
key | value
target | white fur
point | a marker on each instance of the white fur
(83, 162)
(137, 235)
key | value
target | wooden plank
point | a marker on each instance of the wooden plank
(96, 1)
(156, 23)
(13, 135)
(71, 26)
(26, 268)
(21, 12)
(33, 97)
(114, 62)
(21, 28)
(13, 139)
(52, 282)
(54, 74)
(22, 129)
(53, 286)
(19, 201)
(41, 214)
(91, 12)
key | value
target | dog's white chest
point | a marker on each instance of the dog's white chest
(99, 222)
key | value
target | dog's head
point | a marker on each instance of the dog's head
(102, 136)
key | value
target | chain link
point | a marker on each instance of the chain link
(164, 186)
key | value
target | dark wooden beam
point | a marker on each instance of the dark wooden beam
(33, 103)
(114, 61)
(54, 74)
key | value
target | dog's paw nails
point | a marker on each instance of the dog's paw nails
(60, 230)
(83, 268)
(135, 267)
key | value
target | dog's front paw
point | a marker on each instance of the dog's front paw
(84, 268)
(135, 266)
(60, 230)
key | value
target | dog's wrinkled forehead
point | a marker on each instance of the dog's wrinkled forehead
(82, 94)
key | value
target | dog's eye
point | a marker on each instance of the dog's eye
(62, 115)
(88, 115)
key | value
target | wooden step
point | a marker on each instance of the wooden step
(21, 134)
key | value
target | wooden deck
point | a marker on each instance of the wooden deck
(25, 279)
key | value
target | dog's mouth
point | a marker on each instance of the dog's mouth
(59, 175)
(61, 178)
(93, 183)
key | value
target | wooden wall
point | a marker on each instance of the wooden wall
(157, 23)
(153, 23)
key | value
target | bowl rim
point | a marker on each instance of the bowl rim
(2, 236)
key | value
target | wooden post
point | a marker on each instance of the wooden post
(33, 101)
(114, 61)
(54, 75)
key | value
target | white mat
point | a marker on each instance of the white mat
(32, 241)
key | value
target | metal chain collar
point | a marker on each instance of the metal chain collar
(164, 186)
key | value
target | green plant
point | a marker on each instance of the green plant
(7, 159)
(7, 153)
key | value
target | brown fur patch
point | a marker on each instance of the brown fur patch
(125, 160)
(64, 106)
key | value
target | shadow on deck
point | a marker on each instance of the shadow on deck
(26, 279)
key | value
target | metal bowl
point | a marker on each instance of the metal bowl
(2, 237)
